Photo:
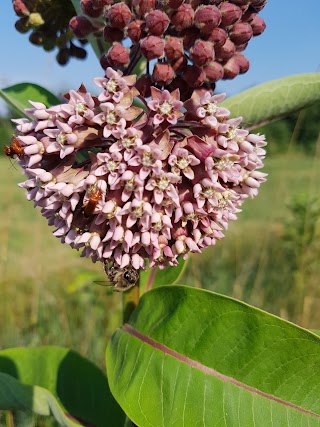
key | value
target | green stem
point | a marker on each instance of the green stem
(130, 300)
(9, 419)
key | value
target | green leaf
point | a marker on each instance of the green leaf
(154, 277)
(17, 96)
(17, 396)
(80, 386)
(275, 99)
(189, 357)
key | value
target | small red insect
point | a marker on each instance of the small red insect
(14, 149)
(95, 194)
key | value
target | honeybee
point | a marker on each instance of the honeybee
(121, 279)
(14, 149)
(95, 194)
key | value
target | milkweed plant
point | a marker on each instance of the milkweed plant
(149, 168)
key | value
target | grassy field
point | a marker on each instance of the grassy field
(46, 290)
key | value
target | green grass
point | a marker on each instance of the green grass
(46, 290)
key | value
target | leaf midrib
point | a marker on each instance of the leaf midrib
(210, 371)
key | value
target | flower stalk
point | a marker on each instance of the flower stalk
(130, 300)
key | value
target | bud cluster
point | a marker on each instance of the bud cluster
(194, 43)
(128, 184)
(48, 24)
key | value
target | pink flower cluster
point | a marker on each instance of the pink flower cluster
(129, 184)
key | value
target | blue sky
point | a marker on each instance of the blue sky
(289, 45)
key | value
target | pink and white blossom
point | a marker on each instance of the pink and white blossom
(125, 185)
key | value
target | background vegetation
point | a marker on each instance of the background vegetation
(269, 258)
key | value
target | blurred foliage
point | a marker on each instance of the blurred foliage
(300, 130)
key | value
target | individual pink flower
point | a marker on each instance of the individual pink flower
(114, 117)
(148, 160)
(79, 108)
(129, 142)
(166, 105)
(162, 185)
(181, 161)
(115, 85)
(111, 165)
(33, 148)
(64, 139)
(131, 184)
(111, 118)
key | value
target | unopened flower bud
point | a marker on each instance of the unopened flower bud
(258, 25)
(36, 38)
(180, 64)
(63, 56)
(218, 36)
(163, 74)
(207, 18)
(202, 53)
(194, 76)
(173, 48)
(152, 47)
(157, 22)
(77, 52)
(231, 69)
(241, 33)
(175, 4)
(119, 15)
(22, 25)
(185, 90)
(81, 26)
(241, 2)
(230, 13)
(111, 34)
(20, 8)
(214, 71)
(242, 47)
(143, 85)
(35, 19)
(135, 30)
(248, 15)
(182, 18)
(88, 7)
(143, 6)
(104, 62)
(243, 63)
(118, 55)
(190, 35)
(258, 4)
(225, 52)
(97, 4)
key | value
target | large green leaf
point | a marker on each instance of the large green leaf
(154, 277)
(17, 396)
(81, 388)
(189, 357)
(17, 96)
(275, 99)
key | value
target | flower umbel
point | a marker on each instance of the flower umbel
(129, 185)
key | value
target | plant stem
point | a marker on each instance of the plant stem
(130, 300)
(9, 419)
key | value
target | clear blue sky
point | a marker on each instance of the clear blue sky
(289, 45)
